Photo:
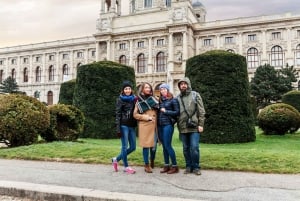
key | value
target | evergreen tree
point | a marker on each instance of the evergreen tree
(9, 85)
(268, 85)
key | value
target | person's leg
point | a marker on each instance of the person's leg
(185, 138)
(131, 140)
(161, 134)
(146, 160)
(195, 152)
(124, 140)
(153, 151)
(171, 153)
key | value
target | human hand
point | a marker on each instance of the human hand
(119, 135)
(163, 109)
(200, 129)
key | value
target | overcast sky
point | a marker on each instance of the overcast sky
(33, 21)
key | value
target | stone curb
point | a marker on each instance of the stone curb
(62, 193)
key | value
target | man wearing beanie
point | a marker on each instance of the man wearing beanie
(190, 125)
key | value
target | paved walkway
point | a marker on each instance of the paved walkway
(70, 181)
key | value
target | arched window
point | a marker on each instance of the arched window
(141, 63)
(122, 60)
(79, 64)
(13, 73)
(36, 94)
(1, 76)
(299, 85)
(297, 55)
(65, 72)
(252, 58)
(276, 56)
(230, 50)
(51, 73)
(50, 98)
(147, 3)
(25, 75)
(38, 74)
(161, 62)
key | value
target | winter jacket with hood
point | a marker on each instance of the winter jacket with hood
(193, 104)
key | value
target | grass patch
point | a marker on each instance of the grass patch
(268, 154)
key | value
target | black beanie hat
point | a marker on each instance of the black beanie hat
(126, 84)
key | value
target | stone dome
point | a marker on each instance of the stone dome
(197, 4)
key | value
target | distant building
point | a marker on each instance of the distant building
(155, 38)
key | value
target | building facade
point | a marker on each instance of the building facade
(155, 37)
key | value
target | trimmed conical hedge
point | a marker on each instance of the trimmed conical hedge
(97, 87)
(222, 80)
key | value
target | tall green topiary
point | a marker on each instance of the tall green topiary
(292, 98)
(66, 92)
(222, 80)
(97, 87)
(22, 119)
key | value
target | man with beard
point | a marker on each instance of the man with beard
(190, 125)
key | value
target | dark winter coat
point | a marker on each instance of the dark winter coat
(172, 111)
(124, 114)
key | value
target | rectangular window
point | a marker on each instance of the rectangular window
(252, 37)
(229, 40)
(147, 3)
(79, 54)
(141, 44)
(25, 60)
(37, 59)
(298, 33)
(1, 62)
(13, 61)
(207, 42)
(160, 42)
(93, 53)
(51, 57)
(122, 46)
(276, 35)
(65, 56)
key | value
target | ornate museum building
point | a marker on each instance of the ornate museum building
(155, 37)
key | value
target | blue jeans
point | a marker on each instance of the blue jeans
(191, 150)
(152, 151)
(165, 134)
(128, 137)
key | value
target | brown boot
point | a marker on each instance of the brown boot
(173, 170)
(165, 169)
(152, 163)
(148, 168)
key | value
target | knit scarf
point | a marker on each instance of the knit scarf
(127, 98)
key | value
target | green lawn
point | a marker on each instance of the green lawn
(268, 154)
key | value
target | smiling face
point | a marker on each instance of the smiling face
(163, 91)
(147, 89)
(127, 91)
(183, 86)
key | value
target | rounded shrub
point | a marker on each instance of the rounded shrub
(278, 119)
(292, 98)
(66, 123)
(97, 87)
(22, 119)
(222, 80)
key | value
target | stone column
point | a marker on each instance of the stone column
(150, 62)
(264, 58)
(218, 42)
(97, 51)
(108, 50)
(197, 46)
(240, 43)
(113, 6)
(289, 54)
(102, 8)
(112, 57)
(185, 46)
(131, 53)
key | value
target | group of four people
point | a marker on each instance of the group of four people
(155, 120)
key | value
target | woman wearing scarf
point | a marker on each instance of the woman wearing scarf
(145, 112)
(126, 125)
